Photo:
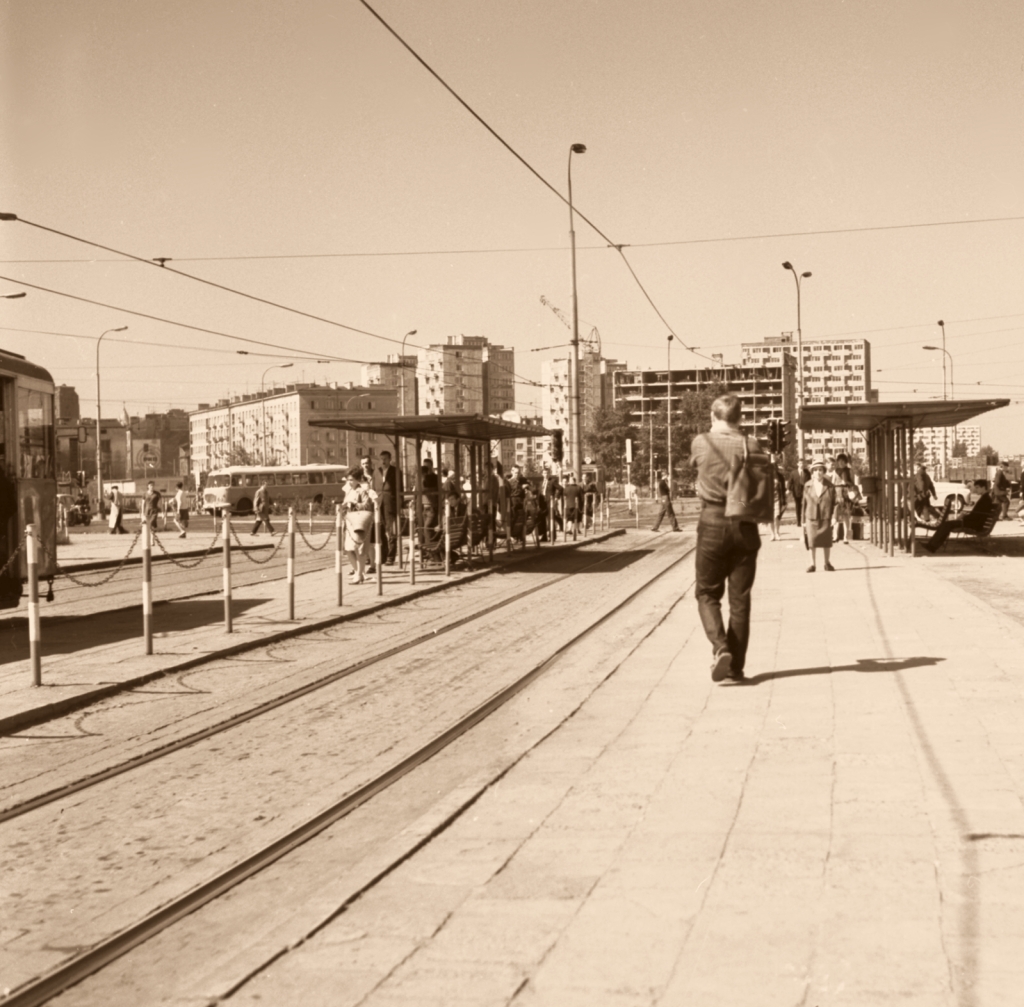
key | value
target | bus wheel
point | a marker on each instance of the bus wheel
(244, 506)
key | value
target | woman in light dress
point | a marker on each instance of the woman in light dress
(819, 504)
(357, 505)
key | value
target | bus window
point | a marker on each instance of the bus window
(221, 480)
(35, 433)
(282, 478)
(252, 479)
(298, 478)
(237, 480)
(316, 478)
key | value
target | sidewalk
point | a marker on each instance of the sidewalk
(846, 828)
(191, 631)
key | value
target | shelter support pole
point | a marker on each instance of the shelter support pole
(399, 497)
(378, 558)
(291, 563)
(911, 516)
(890, 469)
(417, 530)
(901, 461)
(338, 551)
(447, 537)
(474, 469)
(32, 562)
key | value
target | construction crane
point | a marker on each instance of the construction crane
(591, 342)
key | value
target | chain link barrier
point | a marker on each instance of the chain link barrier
(247, 549)
(187, 564)
(14, 555)
(99, 583)
(309, 545)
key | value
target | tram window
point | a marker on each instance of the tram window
(35, 433)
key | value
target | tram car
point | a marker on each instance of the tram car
(28, 483)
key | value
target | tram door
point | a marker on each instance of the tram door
(10, 579)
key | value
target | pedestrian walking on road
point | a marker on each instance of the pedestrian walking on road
(180, 510)
(1001, 491)
(261, 505)
(572, 495)
(819, 508)
(778, 505)
(151, 504)
(116, 512)
(726, 547)
(665, 497)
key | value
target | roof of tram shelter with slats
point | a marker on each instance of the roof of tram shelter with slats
(444, 427)
(869, 415)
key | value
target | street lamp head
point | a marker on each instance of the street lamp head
(671, 337)
(578, 148)
(11, 297)
(931, 347)
(123, 328)
(805, 275)
(787, 265)
(942, 323)
(287, 365)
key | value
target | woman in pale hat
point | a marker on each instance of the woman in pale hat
(357, 505)
(819, 504)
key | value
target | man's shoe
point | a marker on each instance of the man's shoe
(811, 568)
(721, 666)
(830, 568)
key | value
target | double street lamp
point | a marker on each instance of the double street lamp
(575, 452)
(799, 362)
(99, 454)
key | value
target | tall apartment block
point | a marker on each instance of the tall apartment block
(466, 374)
(767, 392)
(835, 371)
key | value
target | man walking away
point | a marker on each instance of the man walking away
(261, 505)
(151, 504)
(726, 547)
(666, 504)
(800, 478)
(180, 510)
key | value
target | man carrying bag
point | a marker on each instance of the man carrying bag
(734, 483)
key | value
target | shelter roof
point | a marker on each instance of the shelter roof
(450, 428)
(868, 415)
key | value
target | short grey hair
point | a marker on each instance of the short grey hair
(727, 407)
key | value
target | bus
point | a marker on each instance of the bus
(28, 480)
(288, 485)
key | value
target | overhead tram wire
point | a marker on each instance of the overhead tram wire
(539, 248)
(162, 265)
(526, 164)
(295, 354)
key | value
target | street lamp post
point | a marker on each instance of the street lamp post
(575, 430)
(668, 413)
(263, 406)
(952, 393)
(99, 455)
(799, 363)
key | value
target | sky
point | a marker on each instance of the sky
(300, 153)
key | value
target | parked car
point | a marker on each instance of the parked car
(957, 493)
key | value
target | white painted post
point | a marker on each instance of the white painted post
(227, 570)
(338, 552)
(32, 561)
(291, 563)
(147, 584)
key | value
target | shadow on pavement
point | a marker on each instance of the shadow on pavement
(68, 634)
(863, 664)
(598, 561)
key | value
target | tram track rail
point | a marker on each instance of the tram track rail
(62, 793)
(103, 953)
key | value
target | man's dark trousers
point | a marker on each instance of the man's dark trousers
(388, 529)
(726, 553)
(668, 511)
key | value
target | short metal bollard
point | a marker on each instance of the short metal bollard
(226, 532)
(310, 519)
(291, 563)
(147, 583)
(412, 543)
(377, 555)
(447, 538)
(32, 561)
(338, 552)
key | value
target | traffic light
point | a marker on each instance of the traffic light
(557, 448)
(773, 435)
(785, 433)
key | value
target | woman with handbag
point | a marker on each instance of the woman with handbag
(819, 505)
(357, 505)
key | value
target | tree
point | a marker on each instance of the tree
(239, 456)
(959, 450)
(606, 440)
(986, 456)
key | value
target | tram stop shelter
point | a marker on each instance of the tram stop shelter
(469, 435)
(889, 429)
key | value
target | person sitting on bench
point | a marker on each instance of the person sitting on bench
(971, 520)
